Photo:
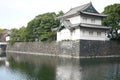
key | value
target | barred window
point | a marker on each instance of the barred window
(93, 20)
(98, 33)
(90, 33)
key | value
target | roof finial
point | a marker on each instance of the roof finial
(90, 1)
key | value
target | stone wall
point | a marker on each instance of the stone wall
(64, 49)
(99, 48)
(76, 49)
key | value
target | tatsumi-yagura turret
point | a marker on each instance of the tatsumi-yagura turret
(82, 22)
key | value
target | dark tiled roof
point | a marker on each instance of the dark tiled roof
(93, 26)
(67, 24)
(76, 9)
(84, 25)
(89, 26)
(82, 8)
(102, 15)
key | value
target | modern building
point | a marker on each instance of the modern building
(82, 22)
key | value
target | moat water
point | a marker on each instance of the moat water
(51, 68)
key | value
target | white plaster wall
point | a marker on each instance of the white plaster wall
(98, 21)
(88, 21)
(80, 19)
(75, 19)
(64, 34)
(76, 34)
(86, 36)
(58, 36)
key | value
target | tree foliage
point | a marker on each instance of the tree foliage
(38, 29)
(113, 20)
(14, 36)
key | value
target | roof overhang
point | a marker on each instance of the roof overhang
(94, 26)
(93, 14)
(67, 16)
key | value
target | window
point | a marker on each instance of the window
(98, 33)
(93, 20)
(84, 19)
(91, 33)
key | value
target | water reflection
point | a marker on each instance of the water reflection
(24, 67)
(68, 69)
(1, 63)
(101, 69)
(34, 72)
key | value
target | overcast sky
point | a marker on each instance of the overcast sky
(17, 13)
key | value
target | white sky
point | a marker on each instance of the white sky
(17, 13)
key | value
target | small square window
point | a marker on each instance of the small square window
(93, 20)
(91, 33)
(98, 33)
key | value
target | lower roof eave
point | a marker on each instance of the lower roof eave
(93, 14)
(106, 28)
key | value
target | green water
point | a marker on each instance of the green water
(50, 68)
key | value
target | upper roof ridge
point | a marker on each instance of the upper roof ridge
(82, 5)
(78, 8)
(85, 9)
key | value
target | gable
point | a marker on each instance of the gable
(90, 9)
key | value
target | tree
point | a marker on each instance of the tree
(60, 13)
(113, 20)
(40, 27)
(47, 23)
(22, 34)
(29, 31)
(14, 37)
